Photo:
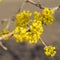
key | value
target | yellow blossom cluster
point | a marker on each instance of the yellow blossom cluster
(37, 16)
(50, 51)
(19, 34)
(47, 16)
(35, 25)
(47, 11)
(22, 18)
(4, 31)
(35, 28)
(31, 38)
(29, 27)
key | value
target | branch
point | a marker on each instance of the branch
(8, 25)
(11, 20)
(5, 36)
(3, 20)
(36, 4)
(20, 9)
(41, 7)
(43, 42)
(1, 44)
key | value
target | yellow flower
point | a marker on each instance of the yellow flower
(47, 11)
(27, 13)
(36, 27)
(20, 30)
(23, 30)
(37, 16)
(19, 33)
(19, 38)
(36, 13)
(47, 53)
(52, 11)
(52, 55)
(33, 41)
(30, 41)
(5, 31)
(16, 30)
(50, 51)
(23, 18)
(48, 19)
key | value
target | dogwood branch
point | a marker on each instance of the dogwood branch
(41, 7)
(12, 19)
(36, 4)
(6, 35)
(2, 37)
(43, 42)
(9, 22)
(1, 44)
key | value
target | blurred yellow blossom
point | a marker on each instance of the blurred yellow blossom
(47, 11)
(50, 51)
(22, 18)
(5, 31)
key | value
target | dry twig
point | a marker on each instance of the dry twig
(40, 6)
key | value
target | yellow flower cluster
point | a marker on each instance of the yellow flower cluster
(36, 30)
(50, 51)
(31, 38)
(47, 11)
(19, 34)
(47, 16)
(36, 27)
(48, 20)
(30, 30)
(37, 16)
(22, 18)
(5, 31)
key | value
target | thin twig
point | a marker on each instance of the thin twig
(8, 24)
(41, 7)
(43, 42)
(13, 17)
(22, 5)
(36, 4)
(1, 44)
(6, 35)
(3, 20)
